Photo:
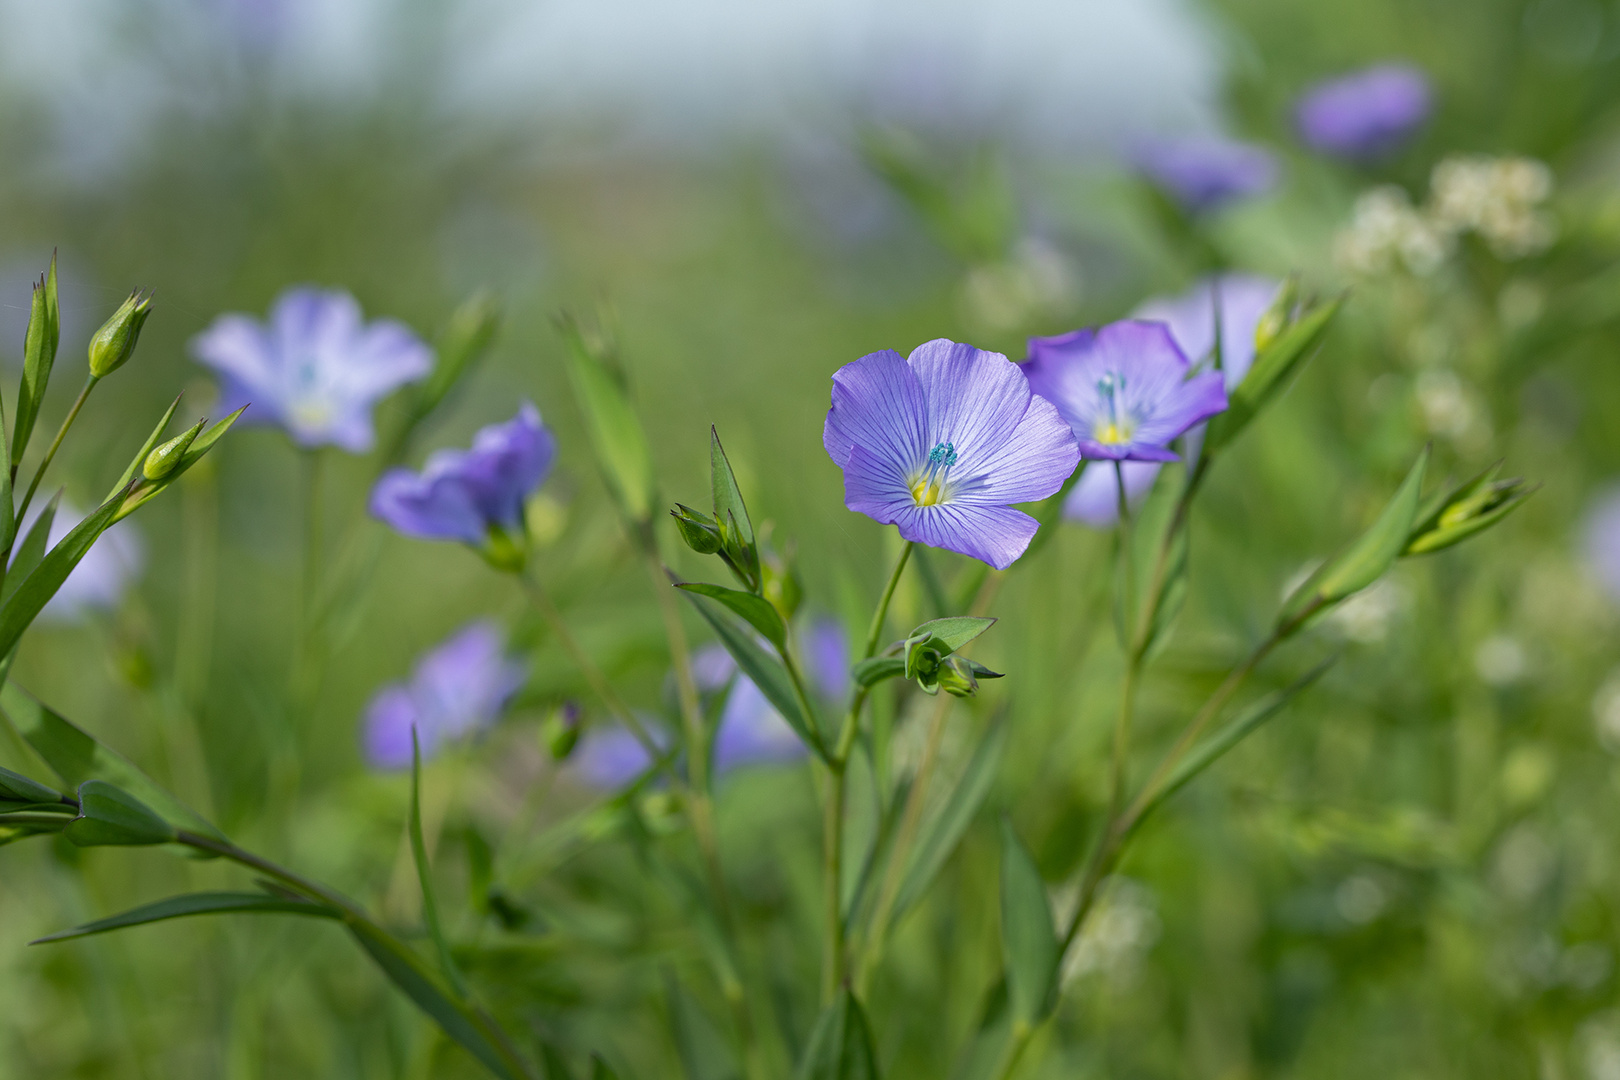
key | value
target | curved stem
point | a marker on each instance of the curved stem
(56, 443)
(875, 633)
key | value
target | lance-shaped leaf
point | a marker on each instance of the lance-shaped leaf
(419, 982)
(840, 1046)
(31, 550)
(75, 756)
(766, 672)
(1029, 940)
(616, 434)
(756, 610)
(1273, 366)
(1211, 749)
(1450, 517)
(201, 903)
(466, 339)
(424, 875)
(14, 787)
(878, 668)
(146, 490)
(147, 447)
(20, 610)
(940, 835)
(39, 353)
(109, 815)
(1364, 561)
(736, 530)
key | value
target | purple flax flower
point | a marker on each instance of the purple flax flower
(1094, 500)
(99, 581)
(465, 494)
(457, 689)
(316, 368)
(1123, 388)
(1206, 172)
(940, 442)
(1366, 114)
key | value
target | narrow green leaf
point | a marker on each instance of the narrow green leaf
(18, 788)
(1364, 561)
(109, 815)
(147, 447)
(466, 339)
(1211, 749)
(727, 495)
(873, 671)
(419, 983)
(766, 672)
(840, 1046)
(18, 612)
(940, 835)
(424, 875)
(616, 434)
(75, 756)
(39, 354)
(1029, 941)
(31, 550)
(703, 1052)
(1270, 372)
(756, 610)
(948, 635)
(201, 903)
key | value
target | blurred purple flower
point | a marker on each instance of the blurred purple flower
(751, 731)
(939, 443)
(457, 689)
(315, 368)
(1094, 501)
(463, 494)
(1191, 319)
(99, 581)
(1600, 539)
(1365, 114)
(611, 757)
(1123, 388)
(1206, 172)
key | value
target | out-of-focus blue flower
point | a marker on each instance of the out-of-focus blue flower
(1365, 114)
(316, 367)
(1600, 540)
(751, 731)
(457, 689)
(1206, 172)
(1245, 298)
(99, 581)
(1123, 388)
(611, 757)
(940, 442)
(464, 494)
(1191, 319)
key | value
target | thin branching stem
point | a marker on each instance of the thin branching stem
(56, 443)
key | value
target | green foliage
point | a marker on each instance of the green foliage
(840, 1046)
(1029, 941)
(203, 903)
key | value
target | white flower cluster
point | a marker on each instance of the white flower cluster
(1498, 199)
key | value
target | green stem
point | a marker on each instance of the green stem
(357, 918)
(1133, 658)
(875, 633)
(61, 433)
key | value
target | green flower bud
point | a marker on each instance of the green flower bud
(162, 461)
(1453, 516)
(697, 529)
(503, 552)
(116, 339)
(1279, 316)
(560, 730)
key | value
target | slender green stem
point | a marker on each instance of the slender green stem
(56, 443)
(1133, 657)
(875, 633)
(587, 667)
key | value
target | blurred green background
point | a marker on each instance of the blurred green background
(1411, 874)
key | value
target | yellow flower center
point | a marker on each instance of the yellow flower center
(928, 486)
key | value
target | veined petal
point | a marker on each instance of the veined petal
(430, 507)
(975, 399)
(1186, 404)
(878, 403)
(997, 535)
(1032, 463)
(875, 486)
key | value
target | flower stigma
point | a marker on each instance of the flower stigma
(1113, 428)
(928, 489)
